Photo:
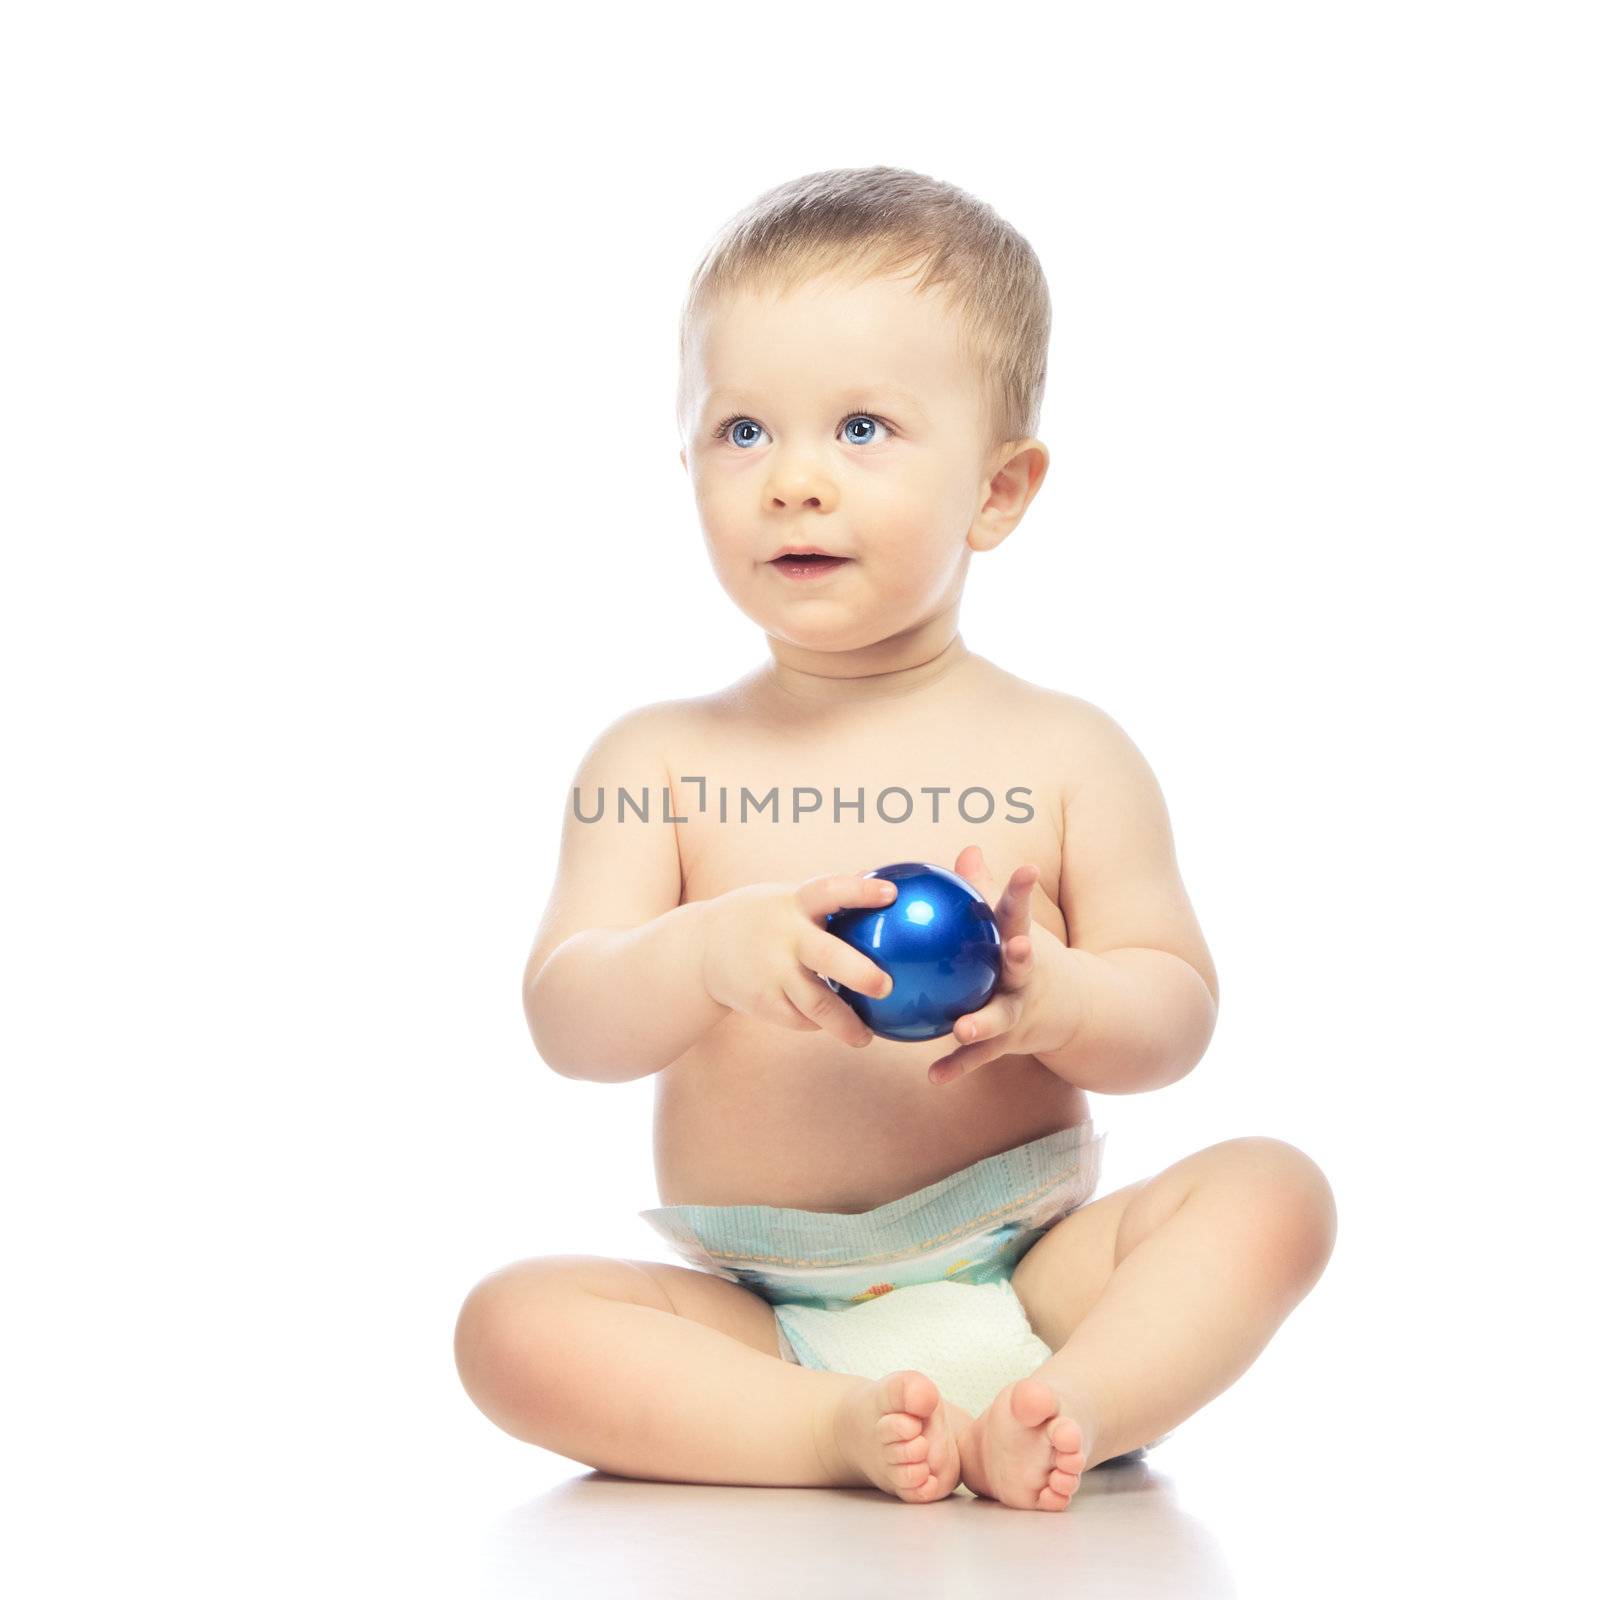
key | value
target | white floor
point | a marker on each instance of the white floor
(1196, 1518)
(611, 1537)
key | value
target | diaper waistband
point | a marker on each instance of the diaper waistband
(1028, 1184)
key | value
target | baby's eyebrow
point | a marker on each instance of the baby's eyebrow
(850, 396)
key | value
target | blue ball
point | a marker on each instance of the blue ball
(938, 941)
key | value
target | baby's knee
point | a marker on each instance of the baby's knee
(480, 1336)
(1288, 1193)
(505, 1320)
(524, 1332)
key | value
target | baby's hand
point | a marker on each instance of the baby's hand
(765, 946)
(1030, 1011)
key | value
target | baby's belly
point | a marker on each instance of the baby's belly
(759, 1115)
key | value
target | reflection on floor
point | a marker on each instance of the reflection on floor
(1123, 1535)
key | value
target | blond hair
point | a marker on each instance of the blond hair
(865, 222)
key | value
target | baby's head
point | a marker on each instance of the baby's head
(861, 365)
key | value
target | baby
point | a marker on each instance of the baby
(900, 1277)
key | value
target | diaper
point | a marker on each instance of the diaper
(921, 1282)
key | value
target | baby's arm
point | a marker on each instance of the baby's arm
(612, 989)
(1141, 979)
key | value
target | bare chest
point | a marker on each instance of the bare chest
(754, 1113)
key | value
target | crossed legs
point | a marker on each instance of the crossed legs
(1154, 1300)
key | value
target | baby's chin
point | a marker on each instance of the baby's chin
(835, 627)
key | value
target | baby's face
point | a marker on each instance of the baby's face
(846, 418)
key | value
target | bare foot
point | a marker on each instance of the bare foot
(1028, 1449)
(901, 1435)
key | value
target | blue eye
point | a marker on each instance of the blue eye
(736, 426)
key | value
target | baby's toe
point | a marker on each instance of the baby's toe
(907, 1450)
(1067, 1437)
(894, 1427)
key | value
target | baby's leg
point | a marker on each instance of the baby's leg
(653, 1371)
(1154, 1299)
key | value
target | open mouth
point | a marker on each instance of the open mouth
(808, 566)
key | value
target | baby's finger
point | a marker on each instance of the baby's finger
(1014, 912)
(999, 1016)
(1016, 961)
(960, 1062)
(781, 1012)
(819, 1004)
(835, 890)
(976, 871)
(829, 956)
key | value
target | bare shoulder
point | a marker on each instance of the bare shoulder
(1110, 795)
(1073, 734)
(659, 734)
(729, 712)
(646, 731)
(1093, 745)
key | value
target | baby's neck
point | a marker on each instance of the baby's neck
(902, 666)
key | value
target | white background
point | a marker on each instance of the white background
(341, 508)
